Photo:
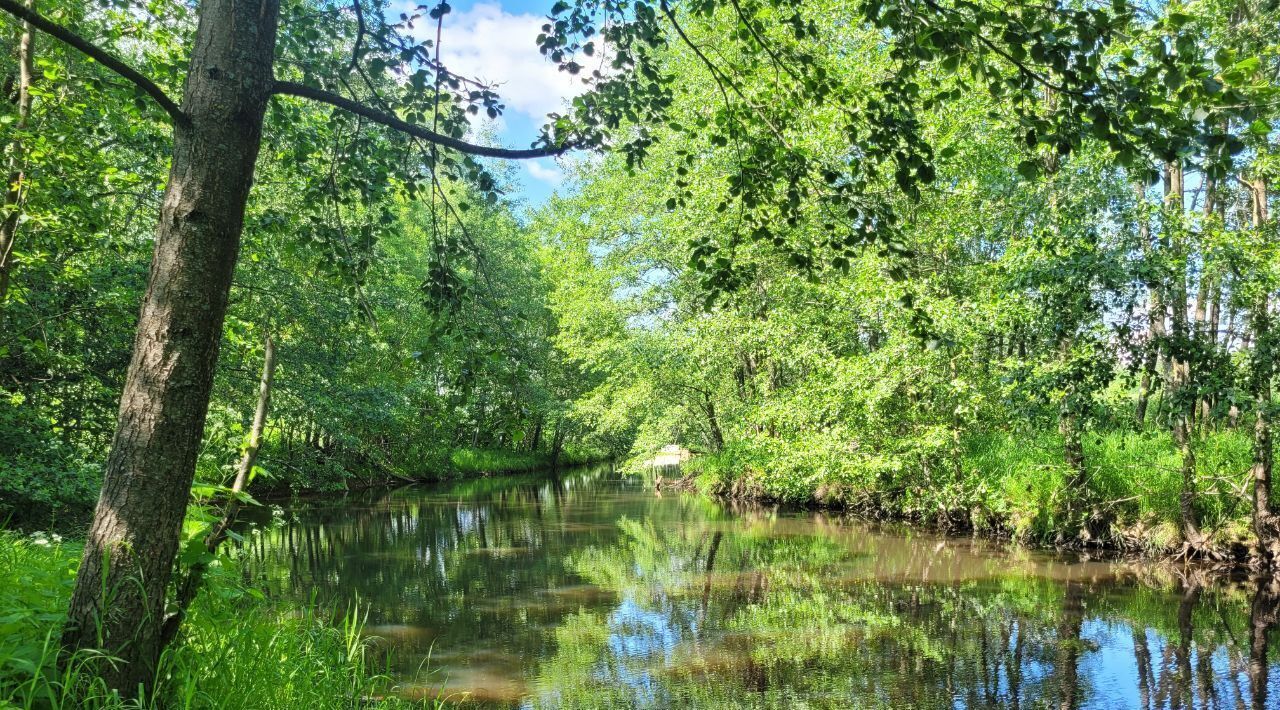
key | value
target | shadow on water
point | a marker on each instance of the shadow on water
(586, 590)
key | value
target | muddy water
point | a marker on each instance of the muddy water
(587, 590)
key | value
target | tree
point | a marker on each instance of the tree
(15, 185)
(121, 590)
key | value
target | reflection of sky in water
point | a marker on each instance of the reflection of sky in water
(1111, 667)
(640, 633)
(638, 637)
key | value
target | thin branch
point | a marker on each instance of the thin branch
(360, 32)
(289, 88)
(777, 61)
(719, 74)
(99, 55)
(991, 45)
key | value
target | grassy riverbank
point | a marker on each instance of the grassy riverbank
(238, 649)
(1004, 483)
(472, 462)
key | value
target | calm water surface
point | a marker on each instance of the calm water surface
(589, 591)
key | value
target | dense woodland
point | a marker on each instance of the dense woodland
(999, 267)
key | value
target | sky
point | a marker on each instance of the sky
(494, 41)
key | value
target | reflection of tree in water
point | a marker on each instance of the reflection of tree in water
(772, 627)
(478, 569)
(430, 569)
(585, 596)
(1264, 614)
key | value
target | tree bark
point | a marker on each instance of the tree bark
(1203, 294)
(715, 436)
(557, 445)
(1215, 319)
(1181, 404)
(536, 439)
(120, 592)
(1265, 525)
(1155, 320)
(15, 192)
(1079, 498)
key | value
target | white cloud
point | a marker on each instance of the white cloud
(549, 174)
(489, 44)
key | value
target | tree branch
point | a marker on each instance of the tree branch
(360, 30)
(719, 74)
(289, 88)
(97, 54)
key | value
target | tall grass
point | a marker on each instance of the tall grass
(238, 650)
(1011, 481)
(1135, 475)
(474, 461)
(477, 461)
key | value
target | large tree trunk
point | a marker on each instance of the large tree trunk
(15, 186)
(120, 593)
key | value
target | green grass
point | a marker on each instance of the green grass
(469, 461)
(1009, 481)
(1136, 475)
(238, 650)
(478, 461)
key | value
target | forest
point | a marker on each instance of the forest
(995, 270)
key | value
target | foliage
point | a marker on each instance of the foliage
(1027, 353)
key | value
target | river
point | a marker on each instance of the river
(587, 590)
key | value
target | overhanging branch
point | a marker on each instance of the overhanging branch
(289, 88)
(97, 54)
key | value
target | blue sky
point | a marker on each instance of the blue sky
(494, 40)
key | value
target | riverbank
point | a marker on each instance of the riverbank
(48, 500)
(1004, 484)
(240, 647)
(237, 649)
(325, 473)
(537, 576)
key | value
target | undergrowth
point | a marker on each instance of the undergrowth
(237, 649)
(1010, 482)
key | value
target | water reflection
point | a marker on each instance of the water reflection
(589, 591)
